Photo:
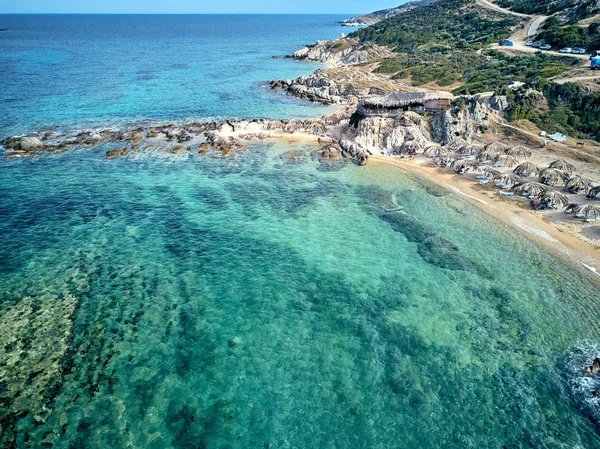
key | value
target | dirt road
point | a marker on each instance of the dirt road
(495, 7)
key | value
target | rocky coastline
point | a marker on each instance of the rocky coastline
(343, 87)
(473, 120)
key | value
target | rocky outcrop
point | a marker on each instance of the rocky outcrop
(222, 137)
(334, 152)
(23, 144)
(580, 9)
(320, 87)
(316, 87)
(330, 152)
(466, 119)
(499, 102)
(377, 135)
(344, 51)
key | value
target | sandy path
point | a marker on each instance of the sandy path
(575, 79)
(535, 25)
(532, 224)
(490, 5)
(519, 35)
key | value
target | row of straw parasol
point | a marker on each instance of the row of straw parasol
(489, 159)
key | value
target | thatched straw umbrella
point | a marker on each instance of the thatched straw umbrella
(506, 160)
(464, 165)
(486, 155)
(594, 193)
(507, 180)
(519, 151)
(457, 144)
(563, 165)
(435, 151)
(275, 125)
(470, 150)
(491, 171)
(577, 184)
(554, 200)
(589, 212)
(527, 169)
(553, 177)
(571, 208)
(411, 147)
(532, 189)
(497, 147)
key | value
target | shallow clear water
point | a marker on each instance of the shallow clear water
(75, 69)
(175, 302)
(164, 301)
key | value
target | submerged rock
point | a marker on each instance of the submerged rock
(595, 367)
(293, 157)
(332, 151)
(111, 154)
(35, 333)
(179, 149)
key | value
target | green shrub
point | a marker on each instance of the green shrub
(443, 23)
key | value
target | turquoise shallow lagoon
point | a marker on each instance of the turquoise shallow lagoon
(183, 302)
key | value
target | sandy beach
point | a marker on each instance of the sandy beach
(559, 239)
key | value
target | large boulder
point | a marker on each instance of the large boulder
(31, 144)
(330, 152)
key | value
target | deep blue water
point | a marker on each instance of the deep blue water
(74, 69)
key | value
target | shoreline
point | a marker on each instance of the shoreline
(227, 135)
(531, 224)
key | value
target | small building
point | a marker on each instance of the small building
(394, 104)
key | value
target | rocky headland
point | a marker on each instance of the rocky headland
(378, 16)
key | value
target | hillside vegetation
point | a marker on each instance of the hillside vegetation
(571, 109)
(557, 33)
(476, 71)
(441, 26)
(444, 45)
(574, 10)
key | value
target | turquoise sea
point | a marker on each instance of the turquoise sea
(263, 301)
(111, 69)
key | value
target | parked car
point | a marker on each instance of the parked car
(578, 51)
(537, 44)
(566, 50)
(546, 47)
(595, 64)
(529, 43)
(507, 43)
